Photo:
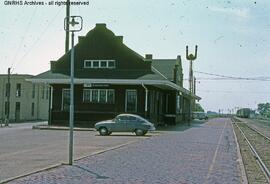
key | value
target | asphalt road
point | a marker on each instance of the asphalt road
(23, 149)
(204, 153)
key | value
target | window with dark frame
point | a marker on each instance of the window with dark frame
(7, 89)
(111, 64)
(65, 99)
(87, 94)
(110, 96)
(103, 64)
(131, 101)
(6, 108)
(33, 109)
(33, 91)
(95, 95)
(18, 90)
(47, 92)
(43, 92)
(95, 64)
(87, 64)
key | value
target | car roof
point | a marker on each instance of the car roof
(134, 115)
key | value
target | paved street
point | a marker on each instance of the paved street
(205, 153)
(23, 150)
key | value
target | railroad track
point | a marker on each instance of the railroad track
(259, 144)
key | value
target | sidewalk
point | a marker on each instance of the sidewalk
(205, 153)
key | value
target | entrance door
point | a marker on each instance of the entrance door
(17, 111)
(131, 101)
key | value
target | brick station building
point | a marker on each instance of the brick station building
(110, 79)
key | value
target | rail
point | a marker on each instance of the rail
(265, 169)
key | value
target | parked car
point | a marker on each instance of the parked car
(125, 123)
(200, 115)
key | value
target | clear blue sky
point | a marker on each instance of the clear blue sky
(233, 39)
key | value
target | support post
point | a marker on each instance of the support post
(71, 113)
(146, 101)
(191, 58)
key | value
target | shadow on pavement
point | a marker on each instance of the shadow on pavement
(91, 172)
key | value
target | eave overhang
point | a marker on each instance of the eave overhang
(164, 84)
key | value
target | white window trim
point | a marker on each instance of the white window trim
(105, 62)
(131, 90)
(90, 95)
(99, 64)
(111, 66)
(85, 63)
(106, 97)
(93, 64)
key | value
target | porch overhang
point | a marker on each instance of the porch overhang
(163, 84)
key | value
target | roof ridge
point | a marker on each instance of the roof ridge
(159, 73)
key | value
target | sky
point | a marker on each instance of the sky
(232, 37)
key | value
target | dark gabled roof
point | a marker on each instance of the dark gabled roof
(100, 43)
(165, 66)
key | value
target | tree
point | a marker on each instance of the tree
(264, 109)
(198, 108)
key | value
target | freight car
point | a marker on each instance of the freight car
(244, 113)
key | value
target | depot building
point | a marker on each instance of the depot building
(110, 79)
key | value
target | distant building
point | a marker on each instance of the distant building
(27, 101)
(110, 79)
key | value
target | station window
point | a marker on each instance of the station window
(103, 64)
(98, 96)
(87, 64)
(111, 64)
(33, 91)
(99, 64)
(33, 109)
(131, 101)
(65, 99)
(95, 64)
(18, 90)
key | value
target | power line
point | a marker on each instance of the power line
(24, 36)
(220, 91)
(39, 38)
(227, 77)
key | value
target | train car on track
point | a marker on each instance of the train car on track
(244, 113)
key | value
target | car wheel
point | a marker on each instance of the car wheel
(139, 132)
(103, 131)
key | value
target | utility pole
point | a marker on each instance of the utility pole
(76, 26)
(194, 91)
(191, 58)
(67, 26)
(8, 98)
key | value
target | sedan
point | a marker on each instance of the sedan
(125, 123)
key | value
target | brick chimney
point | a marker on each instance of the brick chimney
(120, 38)
(148, 56)
(101, 25)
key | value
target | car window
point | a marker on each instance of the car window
(132, 119)
(123, 118)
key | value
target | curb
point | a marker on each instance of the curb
(37, 127)
(244, 179)
(106, 150)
